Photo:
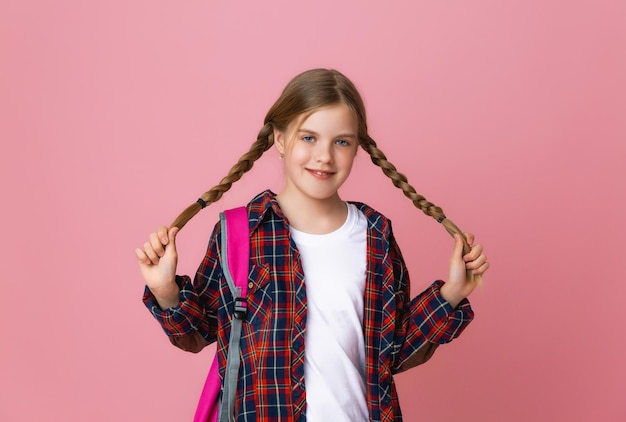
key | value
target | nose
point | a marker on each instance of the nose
(323, 152)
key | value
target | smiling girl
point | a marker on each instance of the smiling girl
(330, 318)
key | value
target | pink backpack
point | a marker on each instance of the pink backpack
(235, 257)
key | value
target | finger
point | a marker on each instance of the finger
(472, 255)
(472, 265)
(469, 237)
(170, 249)
(172, 236)
(157, 246)
(162, 233)
(141, 256)
(152, 256)
(457, 253)
(481, 270)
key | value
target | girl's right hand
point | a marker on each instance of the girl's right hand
(157, 262)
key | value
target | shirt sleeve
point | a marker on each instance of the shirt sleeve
(426, 319)
(198, 300)
(437, 320)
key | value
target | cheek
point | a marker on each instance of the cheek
(347, 158)
(298, 155)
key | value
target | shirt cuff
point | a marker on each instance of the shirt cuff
(179, 320)
(441, 322)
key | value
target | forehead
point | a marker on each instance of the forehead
(337, 118)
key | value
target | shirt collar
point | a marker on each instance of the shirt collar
(265, 203)
(261, 205)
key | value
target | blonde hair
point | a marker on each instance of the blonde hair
(306, 93)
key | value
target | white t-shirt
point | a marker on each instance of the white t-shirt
(334, 267)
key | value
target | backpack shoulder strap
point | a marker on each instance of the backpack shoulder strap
(238, 247)
(235, 265)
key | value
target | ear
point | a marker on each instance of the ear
(279, 141)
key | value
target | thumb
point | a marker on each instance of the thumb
(458, 247)
(171, 234)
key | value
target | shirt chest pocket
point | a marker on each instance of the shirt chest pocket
(260, 293)
(256, 329)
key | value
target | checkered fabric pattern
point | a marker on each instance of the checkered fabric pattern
(271, 383)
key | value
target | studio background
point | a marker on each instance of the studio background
(115, 115)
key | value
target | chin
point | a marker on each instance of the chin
(321, 195)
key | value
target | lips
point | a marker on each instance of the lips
(320, 174)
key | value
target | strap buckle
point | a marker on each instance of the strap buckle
(241, 308)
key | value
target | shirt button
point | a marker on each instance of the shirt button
(250, 285)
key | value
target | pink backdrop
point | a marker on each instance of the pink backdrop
(114, 115)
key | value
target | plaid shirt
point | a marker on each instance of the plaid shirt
(271, 382)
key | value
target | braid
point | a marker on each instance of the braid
(264, 141)
(399, 180)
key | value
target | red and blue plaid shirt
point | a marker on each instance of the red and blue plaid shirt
(271, 378)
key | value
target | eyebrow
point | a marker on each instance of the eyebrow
(312, 132)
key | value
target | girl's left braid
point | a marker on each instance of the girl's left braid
(400, 181)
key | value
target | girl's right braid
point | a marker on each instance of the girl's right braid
(264, 141)
(400, 181)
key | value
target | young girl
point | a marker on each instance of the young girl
(330, 318)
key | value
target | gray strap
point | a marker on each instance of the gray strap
(232, 373)
(234, 359)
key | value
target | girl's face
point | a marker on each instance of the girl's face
(318, 152)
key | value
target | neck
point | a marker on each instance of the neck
(311, 215)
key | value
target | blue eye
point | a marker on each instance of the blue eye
(342, 142)
(308, 138)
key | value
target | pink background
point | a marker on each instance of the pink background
(115, 115)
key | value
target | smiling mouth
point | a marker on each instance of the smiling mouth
(321, 173)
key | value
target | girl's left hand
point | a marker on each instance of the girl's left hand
(458, 286)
